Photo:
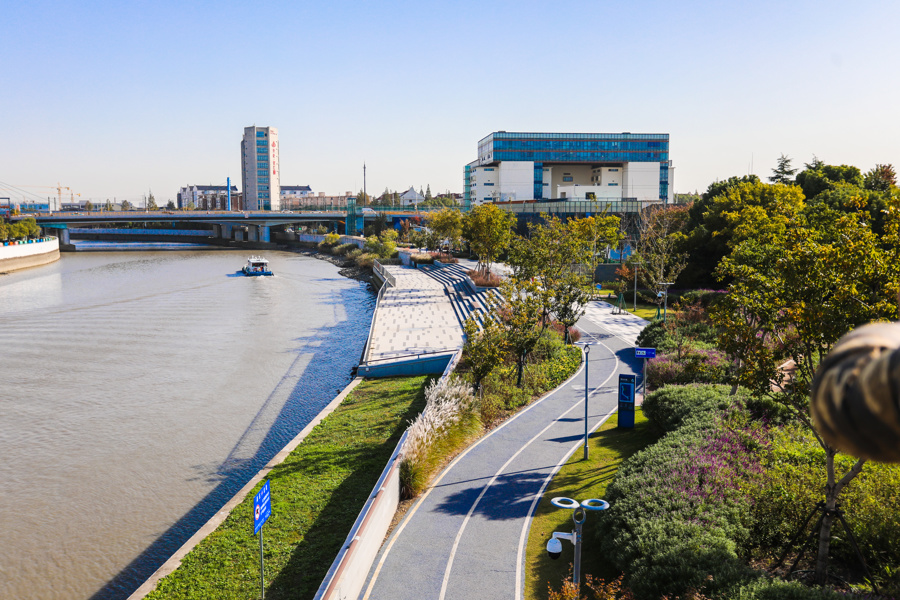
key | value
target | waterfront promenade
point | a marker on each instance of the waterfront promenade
(413, 317)
(465, 537)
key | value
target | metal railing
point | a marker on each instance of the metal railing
(388, 278)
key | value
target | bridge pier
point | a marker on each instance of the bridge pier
(263, 233)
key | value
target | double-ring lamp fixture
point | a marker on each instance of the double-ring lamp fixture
(579, 515)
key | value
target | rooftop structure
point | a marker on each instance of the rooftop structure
(566, 166)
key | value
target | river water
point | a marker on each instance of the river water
(140, 390)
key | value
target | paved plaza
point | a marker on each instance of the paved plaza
(415, 317)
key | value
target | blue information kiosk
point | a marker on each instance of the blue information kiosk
(626, 401)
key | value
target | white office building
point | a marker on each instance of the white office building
(570, 166)
(260, 171)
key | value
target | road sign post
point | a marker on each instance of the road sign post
(262, 509)
(626, 401)
(644, 353)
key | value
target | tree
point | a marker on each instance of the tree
(818, 177)
(660, 237)
(126, 205)
(4, 230)
(89, 206)
(447, 225)
(783, 173)
(428, 193)
(793, 296)
(596, 233)
(151, 202)
(483, 350)
(880, 179)
(190, 206)
(170, 205)
(109, 205)
(523, 315)
(488, 229)
(362, 198)
(739, 211)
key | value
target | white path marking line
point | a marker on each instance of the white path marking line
(526, 526)
(497, 474)
(446, 470)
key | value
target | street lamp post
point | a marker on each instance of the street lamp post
(587, 352)
(579, 515)
(666, 300)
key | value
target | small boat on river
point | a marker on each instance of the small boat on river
(256, 266)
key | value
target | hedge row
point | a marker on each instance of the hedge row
(680, 515)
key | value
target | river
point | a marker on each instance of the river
(140, 390)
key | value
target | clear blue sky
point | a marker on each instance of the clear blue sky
(115, 98)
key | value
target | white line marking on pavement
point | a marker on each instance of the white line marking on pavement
(447, 469)
(520, 552)
(498, 473)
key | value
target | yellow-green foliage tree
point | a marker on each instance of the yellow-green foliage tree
(447, 225)
(489, 230)
(794, 293)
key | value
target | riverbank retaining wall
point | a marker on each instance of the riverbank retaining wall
(23, 255)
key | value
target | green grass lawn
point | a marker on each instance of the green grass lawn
(317, 493)
(580, 480)
(645, 310)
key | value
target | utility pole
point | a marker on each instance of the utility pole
(365, 195)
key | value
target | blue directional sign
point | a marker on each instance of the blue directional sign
(262, 507)
(645, 352)
(626, 400)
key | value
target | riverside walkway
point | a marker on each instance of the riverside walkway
(424, 312)
(465, 537)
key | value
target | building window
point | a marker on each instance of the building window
(611, 170)
(568, 179)
(612, 184)
(489, 168)
(488, 184)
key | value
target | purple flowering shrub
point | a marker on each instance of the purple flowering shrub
(694, 366)
(679, 509)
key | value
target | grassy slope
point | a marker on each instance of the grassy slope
(317, 493)
(580, 480)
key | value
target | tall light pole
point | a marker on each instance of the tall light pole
(587, 352)
(579, 515)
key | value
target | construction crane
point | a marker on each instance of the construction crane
(59, 190)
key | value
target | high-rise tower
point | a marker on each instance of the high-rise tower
(260, 173)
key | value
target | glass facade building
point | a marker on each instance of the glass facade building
(567, 161)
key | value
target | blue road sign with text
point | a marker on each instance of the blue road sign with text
(262, 507)
(645, 352)
(626, 400)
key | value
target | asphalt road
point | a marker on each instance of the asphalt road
(464, 539)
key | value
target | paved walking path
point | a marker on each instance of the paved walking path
(414, 317)
(465, 537)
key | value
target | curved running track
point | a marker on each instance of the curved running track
(465, 537)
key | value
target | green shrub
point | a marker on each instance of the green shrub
(792, 484)
(669, 407)
(365, 259)
(343, 249)
(764, 588)
(679, 512)
(691, 366)
(421, 258)
(330, 241)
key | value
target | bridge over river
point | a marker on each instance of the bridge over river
(259, 226)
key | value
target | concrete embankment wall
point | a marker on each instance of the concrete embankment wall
(22, 256)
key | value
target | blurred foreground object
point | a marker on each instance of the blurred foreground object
(855, 400)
